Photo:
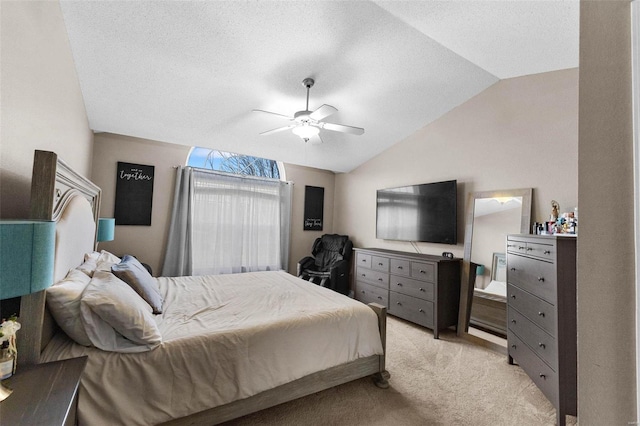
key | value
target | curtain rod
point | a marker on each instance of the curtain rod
(221, 173)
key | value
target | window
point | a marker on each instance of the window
(246, 165)
(236, 221)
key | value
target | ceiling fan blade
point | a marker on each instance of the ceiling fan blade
(322, 112)
(273, 113)
(279, 129)
(342, 128)
(315, 140)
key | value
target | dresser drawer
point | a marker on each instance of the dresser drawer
(368, 293)
(363, 260)
(411, 287)
(380, 263)
(538, 340)
(535, 276)
(537, 310)
(412, 309)
(540, 249)
(378, 278)
(423, 271)
(400, 267)
(544, 377)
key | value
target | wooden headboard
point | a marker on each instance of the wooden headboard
(60, 194)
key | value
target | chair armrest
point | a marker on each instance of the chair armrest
(305, 263)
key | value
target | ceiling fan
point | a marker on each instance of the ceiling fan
(307, 124)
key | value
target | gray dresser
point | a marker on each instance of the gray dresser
(541, 315)
(420, 288)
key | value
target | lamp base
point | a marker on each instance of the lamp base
(4, 392)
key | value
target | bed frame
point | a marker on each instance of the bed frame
(54, 187)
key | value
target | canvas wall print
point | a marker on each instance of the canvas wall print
(134, 194)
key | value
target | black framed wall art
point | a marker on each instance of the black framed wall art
(134, 194)
(313, 208)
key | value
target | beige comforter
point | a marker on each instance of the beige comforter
(225, 337)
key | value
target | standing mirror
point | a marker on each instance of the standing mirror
(491, 216)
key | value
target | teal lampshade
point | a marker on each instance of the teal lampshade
(27, 250)
(479, 270)
(106, 229)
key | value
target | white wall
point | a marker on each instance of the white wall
(41, 106)
(519, 133)
(606, 278)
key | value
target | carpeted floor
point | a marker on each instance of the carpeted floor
(449, 381)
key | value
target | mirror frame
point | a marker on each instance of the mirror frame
(466, 285)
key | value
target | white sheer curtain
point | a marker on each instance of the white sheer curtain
(237, 224)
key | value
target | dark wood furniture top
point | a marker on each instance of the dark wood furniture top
(43, 394)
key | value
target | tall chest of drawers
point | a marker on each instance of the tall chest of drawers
(541, 315)
(420, 288)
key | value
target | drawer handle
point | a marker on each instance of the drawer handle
(420, 310)
(363, 260)
(541, 279)
(542, 345)
(379, 264)
(380, 279)
(511, 245)
(547, 252)
(513, 296)
(423, 271)
(364, 275)
(398, 303)
(380, 297)
(362, 291)
(529, 248)
(543, 377)
(513, 321)
(400, 267)
(422, 289)
(521, 247)
(513, 346)
(541, 314)
(513, 269)
(400, 284)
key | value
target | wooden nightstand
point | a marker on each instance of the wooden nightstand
(43, 394)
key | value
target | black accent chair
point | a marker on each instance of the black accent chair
(329, 262)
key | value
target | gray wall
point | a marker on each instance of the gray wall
(42, 106)
(519, 133)
(606, 280)
(147, 243)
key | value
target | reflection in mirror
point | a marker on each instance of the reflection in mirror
(491, 216)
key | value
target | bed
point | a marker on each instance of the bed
(489, 308)
(217, 355)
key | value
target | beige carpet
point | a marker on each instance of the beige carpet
(449, 381)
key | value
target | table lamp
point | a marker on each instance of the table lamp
(106, 229)
(27, 249)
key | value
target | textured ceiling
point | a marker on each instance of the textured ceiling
(191, 72)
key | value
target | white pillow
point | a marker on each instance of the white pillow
(90, 263)
(106, 260)
(115, 318)
(63, 300)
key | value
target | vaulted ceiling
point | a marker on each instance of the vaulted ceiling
(191, 72)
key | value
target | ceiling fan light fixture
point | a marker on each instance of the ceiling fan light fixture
(305, 131)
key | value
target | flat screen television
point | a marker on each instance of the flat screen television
(425, 212)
